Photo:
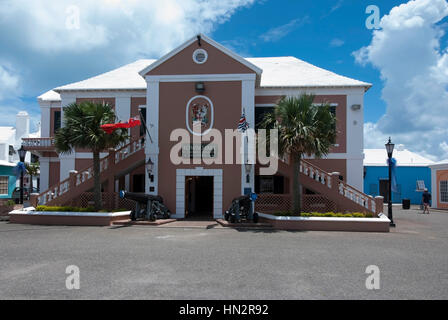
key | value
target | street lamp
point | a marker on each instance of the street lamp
(390, 149)
(22, 154)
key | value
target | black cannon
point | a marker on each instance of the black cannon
(147, 206)
(241, 209)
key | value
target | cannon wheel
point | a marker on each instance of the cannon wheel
(255, 217)
(166, 214)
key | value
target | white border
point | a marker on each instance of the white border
(381, 218)
(202, 77)
(71, 214)
(212, 117)
(217, 175)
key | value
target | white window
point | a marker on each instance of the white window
(444, 191)
(4, 182)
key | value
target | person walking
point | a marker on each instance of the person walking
(426, 197)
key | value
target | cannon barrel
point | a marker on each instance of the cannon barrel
(140, 197)
(241, 198)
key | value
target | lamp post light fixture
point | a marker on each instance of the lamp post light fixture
(22, 154)
(149, 168)
(248, 168)
(390, 149)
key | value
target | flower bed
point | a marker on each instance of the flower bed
(328, 222)
(325, 214)
(73, 209)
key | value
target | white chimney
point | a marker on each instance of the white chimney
(22, 126)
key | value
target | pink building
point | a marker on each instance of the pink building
(166, 91)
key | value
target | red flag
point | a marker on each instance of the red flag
(109, 128)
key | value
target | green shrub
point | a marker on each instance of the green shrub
(64, 209)
(10, 203)
(358, 215)
(326, 214)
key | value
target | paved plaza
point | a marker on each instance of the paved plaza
(206, 261)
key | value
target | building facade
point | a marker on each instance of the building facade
(202, 82)
(412, 174)
(10, 142)
(439, 177)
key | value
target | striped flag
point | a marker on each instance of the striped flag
(243, 125)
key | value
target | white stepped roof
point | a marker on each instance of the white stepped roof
(123, 78)
(404, 157)
(293, 72)
(50, 96)
(277, 72)
(440, 165)
(7, 163)
(7, 133)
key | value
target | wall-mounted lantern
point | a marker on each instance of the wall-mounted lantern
(199, 87)
(149, 168)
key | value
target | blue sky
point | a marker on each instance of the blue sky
(325, 34)
(406, 60)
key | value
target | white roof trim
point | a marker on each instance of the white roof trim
(440, 165)
(211, 42)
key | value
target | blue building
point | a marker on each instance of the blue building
(7, 179)
(411, 168)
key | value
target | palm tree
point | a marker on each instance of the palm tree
(33, 170)
(81, 129)
(303, 129)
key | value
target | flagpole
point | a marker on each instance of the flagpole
(144, 124)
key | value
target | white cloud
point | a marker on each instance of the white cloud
(48, 44)
(414, 68)
(279, 32)
(153, 26)
(337, 42)
(9, 82)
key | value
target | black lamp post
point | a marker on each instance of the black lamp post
(390, 149)
(22, 154)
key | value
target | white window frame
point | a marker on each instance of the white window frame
(7, 186)
(440, 190)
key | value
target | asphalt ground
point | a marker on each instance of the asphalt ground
(211, 262)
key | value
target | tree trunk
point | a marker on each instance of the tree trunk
(296, 190)
(96, 180)
(31, 184)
